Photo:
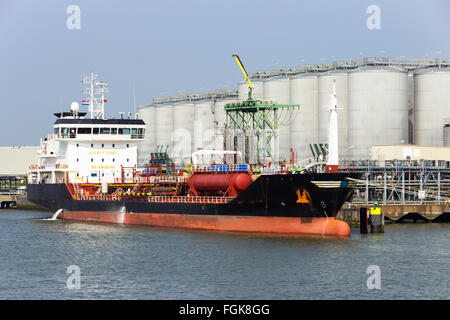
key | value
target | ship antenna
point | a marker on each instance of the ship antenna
(134, 98)
(94, 88)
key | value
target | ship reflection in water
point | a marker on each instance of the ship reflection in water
(119, 262)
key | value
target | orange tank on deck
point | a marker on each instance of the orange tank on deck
(329, 227)
(230, 184)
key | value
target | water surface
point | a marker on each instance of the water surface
(118, 262)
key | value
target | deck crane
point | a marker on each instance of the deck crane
(252, 126)
(246, 78)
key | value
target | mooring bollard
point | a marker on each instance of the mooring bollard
(363, 220)
(376, 219)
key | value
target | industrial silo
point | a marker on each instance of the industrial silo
(325, 92)
(446, 134)
(378, 109)
(257, 92)
(183, 132)
(220, 120)
(203, 125)
(147, 114)
(304, 128)
(163, 126)
(432, 105)
(276, 90)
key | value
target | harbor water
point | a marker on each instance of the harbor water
(118, 262)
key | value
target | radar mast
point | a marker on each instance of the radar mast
(94, 91)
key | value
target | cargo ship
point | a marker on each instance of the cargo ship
(87, 171)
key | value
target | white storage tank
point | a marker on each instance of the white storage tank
(163, 126)
(220, 120)
(304, 128)
(147, 114)
(325, 92)
(378, 109)
(277, 90)
(183, 132)
(432, 105)
(203, 125)
(257, 92)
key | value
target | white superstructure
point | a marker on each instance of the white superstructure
(89, 150)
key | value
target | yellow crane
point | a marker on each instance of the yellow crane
(246, 78)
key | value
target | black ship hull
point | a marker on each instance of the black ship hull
(270, 195)
(281, 203)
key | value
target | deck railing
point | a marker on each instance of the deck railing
(160, 199)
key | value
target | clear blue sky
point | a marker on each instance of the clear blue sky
(185, 46)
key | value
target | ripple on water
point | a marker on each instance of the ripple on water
(118, 262)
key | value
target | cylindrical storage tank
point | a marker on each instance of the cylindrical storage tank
(183, 132)
(220, 120)
(257, 92)
(304, 128)
(277, 90)
(234, 183)
(203, 125)
(378, 109)
(325, 93)
(432, 105)
(163, 126)
(146, 147)
(446, 134)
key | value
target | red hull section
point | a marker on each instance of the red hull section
(254, 224)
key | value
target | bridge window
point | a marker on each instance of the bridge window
(124, 130)
(64, 132)
(104, 130)
(95, 130)
(84, 130)
(113, 130)
(73, 132)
